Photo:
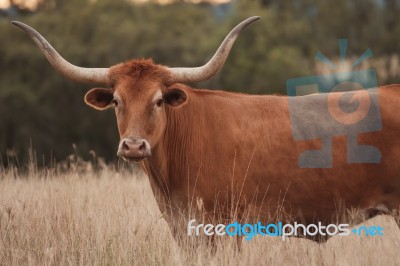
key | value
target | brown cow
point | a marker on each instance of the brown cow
(230, 153)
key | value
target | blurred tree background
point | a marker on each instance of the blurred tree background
(42, 110)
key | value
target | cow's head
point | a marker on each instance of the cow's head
(140, 93)
(138, 90)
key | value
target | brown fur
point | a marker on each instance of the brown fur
(135, 69)
(235, 153)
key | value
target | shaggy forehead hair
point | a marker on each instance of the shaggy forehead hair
(138, 69)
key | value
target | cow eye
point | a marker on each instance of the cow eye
(114, 102)
(159, 102)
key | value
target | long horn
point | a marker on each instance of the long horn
(75, 73)
(207, 71)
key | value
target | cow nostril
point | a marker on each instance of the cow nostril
(125, 146)
(142, 146)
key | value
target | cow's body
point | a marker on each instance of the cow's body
(221, 145)
(229, 155)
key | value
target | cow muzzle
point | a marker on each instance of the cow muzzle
(133, 149)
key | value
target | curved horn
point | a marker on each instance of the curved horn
(207, 71)
(79, 74)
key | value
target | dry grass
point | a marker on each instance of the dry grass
(111, 218)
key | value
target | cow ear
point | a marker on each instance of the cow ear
(175, 97)
(99, 98)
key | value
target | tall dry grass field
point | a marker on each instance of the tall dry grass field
(110, 217)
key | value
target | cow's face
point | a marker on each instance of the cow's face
(139, 97)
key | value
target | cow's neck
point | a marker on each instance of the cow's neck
(196, 139)
(180, 143)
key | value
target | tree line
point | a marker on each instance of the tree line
(42, 110)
